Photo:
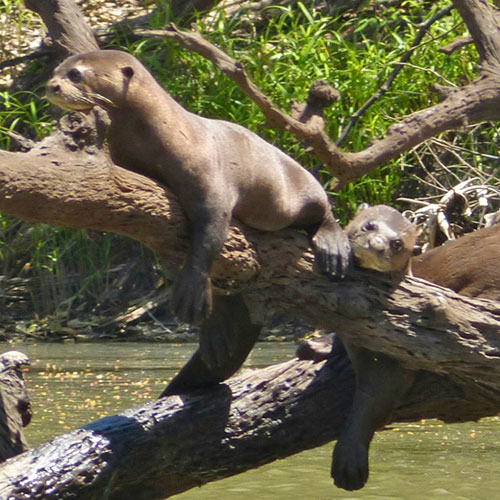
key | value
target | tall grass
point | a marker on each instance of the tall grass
(354, 52)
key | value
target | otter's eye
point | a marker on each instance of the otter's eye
(369, 226)
(74, 75)
(396, 245)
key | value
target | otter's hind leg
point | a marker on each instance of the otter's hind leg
(332, 250)
(226, 339)
(381, 382)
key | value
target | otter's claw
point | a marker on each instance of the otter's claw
(350, 464)
(332, 251)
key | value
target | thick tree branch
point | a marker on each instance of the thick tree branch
(66, 24)
(84, 189)
(483, 26)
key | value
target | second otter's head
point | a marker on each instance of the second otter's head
(382, 239)
(95, 78)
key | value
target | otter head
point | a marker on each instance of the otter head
(382, 239)
(95, 78)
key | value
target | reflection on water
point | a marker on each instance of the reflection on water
(73, 384)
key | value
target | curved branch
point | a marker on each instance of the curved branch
(476, 102)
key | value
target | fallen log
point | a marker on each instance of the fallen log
(174, 444)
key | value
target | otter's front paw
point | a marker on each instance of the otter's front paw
(332, 251)
(350, 464)
(192, 296)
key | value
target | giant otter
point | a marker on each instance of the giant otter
(217, 170)
(382, 239)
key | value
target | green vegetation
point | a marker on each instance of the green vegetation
(295, 46)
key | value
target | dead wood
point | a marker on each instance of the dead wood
(68, 180)
(175, 444)
(15, 409)
(66, 24)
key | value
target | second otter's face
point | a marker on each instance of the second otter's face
(382, 239)
(96, 78)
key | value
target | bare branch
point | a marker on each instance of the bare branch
(66, 24)
(399, 66)
(479, 101)
(483, 26)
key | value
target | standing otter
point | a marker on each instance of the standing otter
(217, 169)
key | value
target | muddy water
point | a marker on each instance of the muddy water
(72, 384)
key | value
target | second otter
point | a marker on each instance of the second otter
(383, 239)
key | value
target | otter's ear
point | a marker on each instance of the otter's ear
(361, 207)
(128, 72)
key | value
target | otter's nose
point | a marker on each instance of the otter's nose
(53, 87)
(378, 243)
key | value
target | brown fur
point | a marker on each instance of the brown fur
(216, 168)
(469, 265)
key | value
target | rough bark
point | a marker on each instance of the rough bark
(15, 409)
(424, 325)
(66, 24)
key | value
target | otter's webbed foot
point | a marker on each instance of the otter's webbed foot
(350, 463)
(332, 249)
(191, 296)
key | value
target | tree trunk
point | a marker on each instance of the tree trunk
(66, 24)
(15, 409)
